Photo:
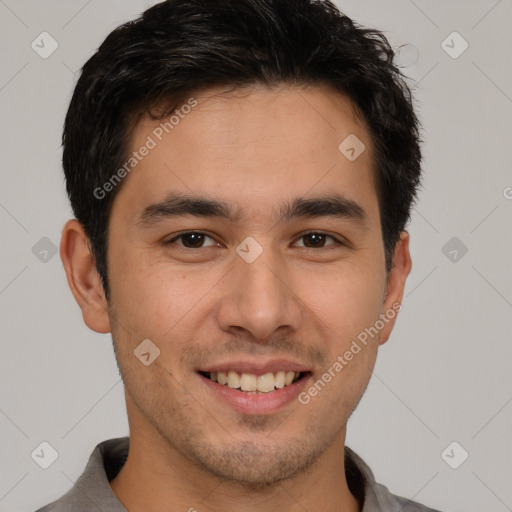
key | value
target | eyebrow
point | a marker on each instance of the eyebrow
(180, 205)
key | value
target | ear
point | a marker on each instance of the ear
(400, 269)
(83, 278)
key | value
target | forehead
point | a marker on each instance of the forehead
(251, 146)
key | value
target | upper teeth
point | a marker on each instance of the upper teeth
(251, 382)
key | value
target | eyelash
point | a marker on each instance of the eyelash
(181, 235)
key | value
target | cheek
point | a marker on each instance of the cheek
(160, 301)
(346, 305)
(346, 300)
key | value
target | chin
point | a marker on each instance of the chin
(255, 465)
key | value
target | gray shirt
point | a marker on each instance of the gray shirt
(92, 492)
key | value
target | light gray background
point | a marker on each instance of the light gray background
(445, 375)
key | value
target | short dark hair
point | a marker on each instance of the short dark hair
(178, 47)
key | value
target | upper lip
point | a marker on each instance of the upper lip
(256, 367)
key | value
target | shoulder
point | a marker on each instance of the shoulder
(399, 503)
(91, 490)
(375, 496)
(64, 504)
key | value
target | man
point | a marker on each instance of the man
(241, 173)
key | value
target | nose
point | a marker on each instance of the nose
(258, 297)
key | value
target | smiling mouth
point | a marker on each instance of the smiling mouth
(250, 383)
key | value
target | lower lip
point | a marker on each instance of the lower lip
(262, 403)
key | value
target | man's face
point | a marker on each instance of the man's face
(282, 301)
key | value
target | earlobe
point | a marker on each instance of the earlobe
(82, 276)
(401, 268)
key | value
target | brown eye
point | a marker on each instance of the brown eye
(190, 240)
(316, 239)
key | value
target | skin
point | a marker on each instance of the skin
(203, 304)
